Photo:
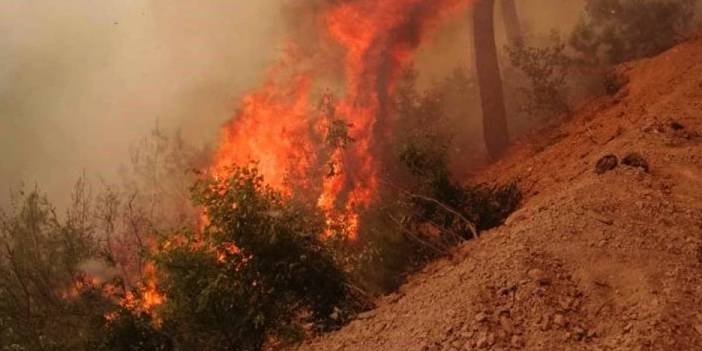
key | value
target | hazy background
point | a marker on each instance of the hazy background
(82, 80)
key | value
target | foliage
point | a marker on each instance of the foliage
(451, 208)
(256, 269)
(46, 301)
(614, 31)
(545, 67)
(424, 212)
(132, 331)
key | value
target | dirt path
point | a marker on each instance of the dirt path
(590, 262)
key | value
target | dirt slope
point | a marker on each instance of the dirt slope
(591, 262)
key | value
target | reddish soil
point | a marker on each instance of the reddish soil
(590, 262)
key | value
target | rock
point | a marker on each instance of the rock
(507, 324)
(698, 328)
(579, 333)
(491, 339)
(336, 314)
(539, 276)
(482, 342)
(366, 315)
(517, 342)
(591, 333)
(601, 218)
(634, 159)
(545, 323)
(380, 327)
(676, 126)
(606, 163)
(560, 320)
(565, 303)
(481, 317)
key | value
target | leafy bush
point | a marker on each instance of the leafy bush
(457, 211)
(131, 331)
(257, 270)
(614, 31)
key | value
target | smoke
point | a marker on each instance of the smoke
(98, 270)
(82, 80)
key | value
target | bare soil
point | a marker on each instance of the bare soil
(609, 261)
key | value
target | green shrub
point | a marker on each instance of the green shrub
(257, 271)
(132, 331)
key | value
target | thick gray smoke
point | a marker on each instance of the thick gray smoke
(81, 80)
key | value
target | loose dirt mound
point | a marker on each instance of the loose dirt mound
(609, 261)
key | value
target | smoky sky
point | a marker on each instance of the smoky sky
(82, 80)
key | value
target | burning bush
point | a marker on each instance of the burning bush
(257, 270)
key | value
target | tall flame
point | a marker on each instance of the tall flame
(277, 127)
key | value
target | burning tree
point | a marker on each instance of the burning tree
(257, 269)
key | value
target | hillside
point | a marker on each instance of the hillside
(591, 261)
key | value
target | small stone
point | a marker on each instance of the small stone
(580, 333)
(634, 159)
(366, 315)
(676, 126)
(628, 327)
(591, 333)
(482, 342)
(491, 339)
(698, 328)
(601, 218)
(506, 324)
(539, 276)
(481, 317)
(565, 303)
(606, 164)
(517, 342)
(560, 320)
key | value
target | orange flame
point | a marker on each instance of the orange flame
(277, 127)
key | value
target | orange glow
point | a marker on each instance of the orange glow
(148, 296)
(277, 126)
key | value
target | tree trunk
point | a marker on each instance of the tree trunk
(511, 20)
(489, 79)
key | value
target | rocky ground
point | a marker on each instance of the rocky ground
(604, 257)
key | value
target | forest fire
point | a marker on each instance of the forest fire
(278, 129)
